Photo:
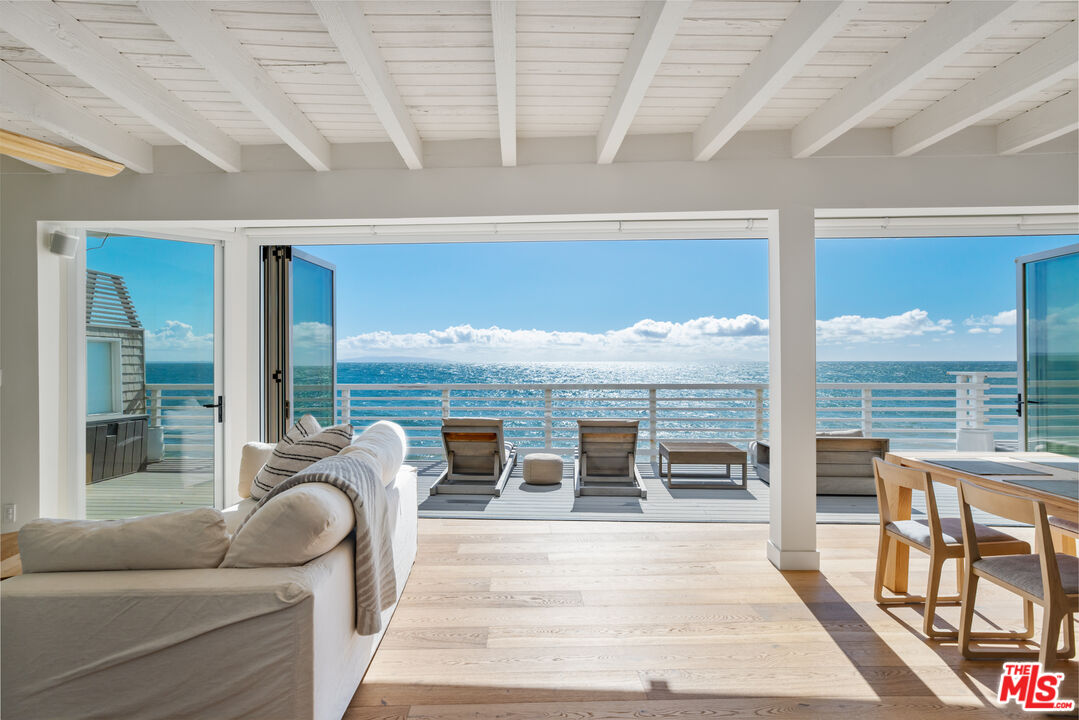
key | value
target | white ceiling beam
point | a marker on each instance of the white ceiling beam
(949, 33)
(41, 105)
(802, 35)
(1042, 65)
(351, 32)
(195, 28)
(504, 32)
(1041, 124)
(54, 33)
(657, 27)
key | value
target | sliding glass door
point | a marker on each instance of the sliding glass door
(299, 347)
(154, 403)
(1048, 329)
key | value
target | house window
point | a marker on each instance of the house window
(103, 381)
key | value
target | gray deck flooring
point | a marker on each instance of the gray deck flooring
(556, 502)
(163, 487)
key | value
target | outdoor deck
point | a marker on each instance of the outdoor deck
(173, 484)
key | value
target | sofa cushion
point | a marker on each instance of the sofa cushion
(293, 528)
(253, 456)
(304, 444)
(384, 442)
(185, 539)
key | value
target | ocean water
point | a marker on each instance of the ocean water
(598, 372)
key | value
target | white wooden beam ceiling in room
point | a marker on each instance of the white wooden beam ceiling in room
(58, 36)
(504, 32)
(195, 28)
(949, 33)
(657, 28)
(1042, 65)
(48, 109)
(352, 35)
(801, 36)
(1039, 125)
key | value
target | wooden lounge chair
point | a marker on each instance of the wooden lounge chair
(478, 459)
(606, 462)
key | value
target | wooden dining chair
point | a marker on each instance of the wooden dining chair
(1045, 577)
(940, 538)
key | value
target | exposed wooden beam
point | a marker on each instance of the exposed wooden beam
(801, 36)
(952, 31)
(54, 169)
(47, 28)
(504, 31)
(48, 109)
(657, 28)
(1033, 70)
(1039, 125)
(351, 32)
(39, 151)
(195, 28)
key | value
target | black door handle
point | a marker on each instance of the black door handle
(220, 405)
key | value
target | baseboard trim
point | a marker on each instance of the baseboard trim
(793, 559)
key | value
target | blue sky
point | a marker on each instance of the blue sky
(877, 299)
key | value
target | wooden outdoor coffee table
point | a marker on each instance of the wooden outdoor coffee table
(702, 452)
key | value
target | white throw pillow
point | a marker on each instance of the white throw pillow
(293, 528)
(386, 443)
(185, 539)
(252, 457)
(303, 445)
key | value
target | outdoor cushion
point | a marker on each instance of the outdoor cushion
(303, 445)
(543, 469)
(253, 456)
(384, 442)
(1025, 571)
(951, 529)
(170, 541)
(839, 433)
(293, 528)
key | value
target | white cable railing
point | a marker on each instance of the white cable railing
(542, 416)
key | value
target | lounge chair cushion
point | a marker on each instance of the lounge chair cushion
(543, 469)
(185, 539)
(951, 529)
(293, 528)
(1025, 571)
(839, 433)
(386, 444)
(253, 456)
(303, 445)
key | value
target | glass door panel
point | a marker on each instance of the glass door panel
(1049, 337)
(312, 352)
(152, 367)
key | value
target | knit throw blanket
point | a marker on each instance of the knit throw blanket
(359, 478)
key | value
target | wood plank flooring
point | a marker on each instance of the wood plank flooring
(537, 620)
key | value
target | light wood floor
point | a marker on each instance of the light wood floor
(521, 620)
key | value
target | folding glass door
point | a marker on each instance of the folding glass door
(154, 402)
(299, 348)
(1048, 326)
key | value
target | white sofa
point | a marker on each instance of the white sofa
(270, 642)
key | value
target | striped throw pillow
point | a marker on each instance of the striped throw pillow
(303, 445)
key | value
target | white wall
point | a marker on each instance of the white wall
(753, 172)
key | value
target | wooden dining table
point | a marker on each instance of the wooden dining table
(1049, 477)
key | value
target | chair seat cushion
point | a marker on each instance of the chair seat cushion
(1070, 526)
(1025, 571)
(951, 529)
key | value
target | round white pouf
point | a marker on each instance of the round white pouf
(543, 469)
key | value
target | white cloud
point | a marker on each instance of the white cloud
(976, 331)
(311, 343)
(995, 330)
(744, 336)
(992, 323)
(177, 341)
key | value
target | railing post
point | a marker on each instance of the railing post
(758, 413)
(155, 407)
(979, 399)
(445, 402)
(867, 412)
(969, 400)
(653, 414)
(548, 418)
(346, 406)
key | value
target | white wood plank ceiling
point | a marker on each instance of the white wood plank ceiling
(118, 77)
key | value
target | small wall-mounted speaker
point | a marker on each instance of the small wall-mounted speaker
(63, 244)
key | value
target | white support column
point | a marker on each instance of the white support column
(792, 352)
